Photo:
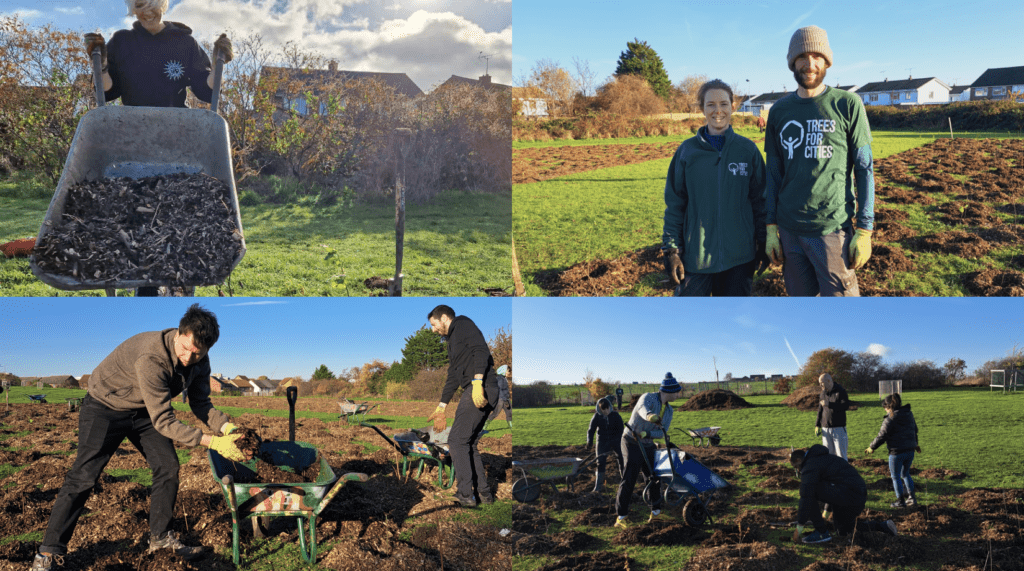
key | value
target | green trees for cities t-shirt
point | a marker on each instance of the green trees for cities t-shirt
(814, 142)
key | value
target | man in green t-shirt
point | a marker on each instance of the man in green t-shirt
(820, 193)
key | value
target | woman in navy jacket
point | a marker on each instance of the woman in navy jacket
(899, 433)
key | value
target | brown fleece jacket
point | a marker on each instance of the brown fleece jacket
(144, 372)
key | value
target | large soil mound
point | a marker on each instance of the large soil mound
(804, 398)
(716, 399)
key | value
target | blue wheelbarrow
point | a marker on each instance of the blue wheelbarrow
(684, 480)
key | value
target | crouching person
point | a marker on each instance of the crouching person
(830, 479)
(130, 396)
(607, 424)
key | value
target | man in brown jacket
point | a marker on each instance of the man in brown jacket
(130, 396)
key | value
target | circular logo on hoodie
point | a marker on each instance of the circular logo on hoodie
(174, 70)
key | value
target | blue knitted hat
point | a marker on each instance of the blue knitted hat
(669, 384)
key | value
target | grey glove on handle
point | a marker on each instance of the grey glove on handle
(223, 45)
(92, 41)
(674, 266)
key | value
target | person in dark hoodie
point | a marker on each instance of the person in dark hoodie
(152, 63)
(828, 478)
(471, 367)
(714, 226)
(899, 433)
(130, 395)
(833, 402)
(608, 426)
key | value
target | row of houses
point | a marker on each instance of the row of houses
(219, 384)
(994, 85)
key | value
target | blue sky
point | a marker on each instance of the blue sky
(430, 40)
(738, 41)
(277, 337)
(642, 339)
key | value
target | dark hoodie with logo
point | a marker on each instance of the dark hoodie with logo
(153, 70)
(609, 429)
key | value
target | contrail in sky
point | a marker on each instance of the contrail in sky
(795, 360)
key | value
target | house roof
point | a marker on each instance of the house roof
(850, 88)
(1000, 76)
(458, 80)
(770, 97)
(55, 379)
(399, 81)
(897, 85)
(958, 89)
(264, 384)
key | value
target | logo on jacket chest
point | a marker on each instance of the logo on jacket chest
(174, 70)
(738, 169)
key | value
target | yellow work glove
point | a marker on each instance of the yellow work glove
(773, 247)
(440, 423)
(817, 431)
(826, 514)
(227, 447)
(869, 450)
(654, 419)
(860, 248)
(478, 393)
(228, 428)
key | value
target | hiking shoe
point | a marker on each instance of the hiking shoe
(470, 503)
(818, 537)
(659, 518)
(890, 528)
(911, 501)
(170, 541)
(488, 499)
(621, 522)
(44, 562)
(898, 504)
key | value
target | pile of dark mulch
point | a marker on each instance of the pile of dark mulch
(175, 228)
(804, 398)
(716, 399)
(266, 471)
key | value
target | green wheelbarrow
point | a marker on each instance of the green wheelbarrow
(304, 501)
(426, 447)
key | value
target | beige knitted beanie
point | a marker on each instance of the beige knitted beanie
(809, 39)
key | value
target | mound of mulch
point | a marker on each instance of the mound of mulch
(606, 277)
(758, 556)
(659, 534)
(563, 543)
(716, 399)
(601, 561)
(941, 474)
(804, 398)
(956, 242)
(770, 285)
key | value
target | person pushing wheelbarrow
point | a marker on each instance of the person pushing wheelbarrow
(650, 419)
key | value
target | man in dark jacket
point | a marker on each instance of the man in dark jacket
(827, 478)
(471, 367)
(130, 396)
(899, 433)
(504, 397)
(833, 402)
(608, 425)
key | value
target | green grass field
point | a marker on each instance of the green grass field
(971, 430)
(609, 212)
(456, 245)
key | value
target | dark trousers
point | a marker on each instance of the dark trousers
(737, 281)
(818, 266)
(100, 432)
(634, 454)
(503, 405)
(469, 422)
(605, 456)
(846, 504)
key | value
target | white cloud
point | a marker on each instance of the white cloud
(428, 46)
(879, 349)
(750, 323)
(748, 347)
(23, 14)
(76, 11)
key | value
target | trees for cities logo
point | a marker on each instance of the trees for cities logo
(791, 137)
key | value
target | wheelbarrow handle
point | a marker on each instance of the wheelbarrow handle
(97, 76)
(385, 436)
(229, 484)
(218, 70)
(338, 485)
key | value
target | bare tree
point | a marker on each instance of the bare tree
(684, 97)
(585, 78)
(557, 85)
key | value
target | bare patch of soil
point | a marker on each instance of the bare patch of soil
(659, 534)
(770, 285)
(888, 227)
(970, 213)
(606, 277)
(995, 283)
(533, 165)
(601, 561)
(758, 556)
(804, 398)
(956, 242)
(366, 521)
(716, 399)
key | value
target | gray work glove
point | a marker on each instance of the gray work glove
(95, 40)
(674, 266)
(223, 46)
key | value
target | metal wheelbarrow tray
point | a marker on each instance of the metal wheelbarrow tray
(138, 142)
(705, 437)
(300, 500)
(547, 470)
(432, 452)
(350, 409)
(684, 480)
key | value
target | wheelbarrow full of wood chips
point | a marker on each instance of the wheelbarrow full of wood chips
(155, 197)
(303, 501)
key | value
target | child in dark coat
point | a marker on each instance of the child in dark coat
(899, 433)
(608, 426)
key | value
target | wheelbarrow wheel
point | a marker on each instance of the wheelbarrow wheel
(715, 440)
(526, 490)
(694, 513)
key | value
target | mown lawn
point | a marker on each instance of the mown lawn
(606, 213)
(456, 245)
